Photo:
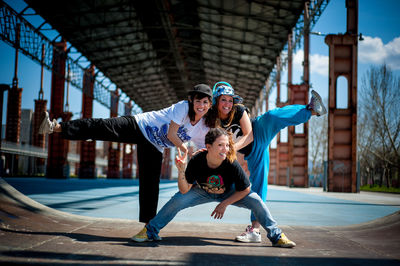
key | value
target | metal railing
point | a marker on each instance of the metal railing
(37, 152)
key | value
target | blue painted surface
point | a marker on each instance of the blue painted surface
(119, 199)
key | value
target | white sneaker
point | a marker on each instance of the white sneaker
(47, 126)
(250, 236)
(316, 103)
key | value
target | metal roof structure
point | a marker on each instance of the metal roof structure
(156, 50)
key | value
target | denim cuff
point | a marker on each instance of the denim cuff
(151, 233)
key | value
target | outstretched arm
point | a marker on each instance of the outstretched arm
(219, 211)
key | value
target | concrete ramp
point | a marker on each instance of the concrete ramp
(31, 233)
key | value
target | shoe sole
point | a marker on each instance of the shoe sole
(248, 241)
(140, 240)
(284, 246)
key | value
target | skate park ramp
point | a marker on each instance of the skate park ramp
(33, 234)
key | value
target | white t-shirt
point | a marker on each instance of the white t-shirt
(155, 124)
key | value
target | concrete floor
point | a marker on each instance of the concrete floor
(33, 234)
(289, 206)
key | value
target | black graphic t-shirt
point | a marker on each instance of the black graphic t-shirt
(236, 130)
(234, 126)
(220, 178)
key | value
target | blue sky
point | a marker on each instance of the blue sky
(378, 22)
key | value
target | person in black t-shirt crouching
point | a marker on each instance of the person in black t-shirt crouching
(214, 175)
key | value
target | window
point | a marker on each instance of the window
(342, 93)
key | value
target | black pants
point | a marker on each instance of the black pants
(125, 129)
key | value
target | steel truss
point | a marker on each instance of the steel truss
(31, 44)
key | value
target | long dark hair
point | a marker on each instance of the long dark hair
(231, 115)
(210, 119)
(214, 133)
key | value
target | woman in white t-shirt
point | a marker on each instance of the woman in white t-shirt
(152, 132)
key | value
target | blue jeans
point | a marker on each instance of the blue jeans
(197, 196)
(265, 128)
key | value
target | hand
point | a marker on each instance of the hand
(215, 190)
(219, 211)
(180, 162)
(182, 151)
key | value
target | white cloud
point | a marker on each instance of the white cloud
(318, 63)
(370, 51)
(373, 51)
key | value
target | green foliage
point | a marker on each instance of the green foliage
(376, 188)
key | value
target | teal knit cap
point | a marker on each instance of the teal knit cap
(224, 88)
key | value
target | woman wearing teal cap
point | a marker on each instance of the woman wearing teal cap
(254, 136)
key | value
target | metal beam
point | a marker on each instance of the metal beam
(31, 45)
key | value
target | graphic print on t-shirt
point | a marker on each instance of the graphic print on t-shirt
(215, 183)
(159, 136)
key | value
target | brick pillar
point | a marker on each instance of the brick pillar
(298, 94)
(58, 147)
(87, 148)
(3, 88)
(342, 123)
(77, 164)
(127, 160)
(283, 162)
(13, 117)
(128, 149)
(298, 148)
(39, 140)
(272, 166)
(13, 126)
(114, 149)
(282, 149)
(13, 120)
(135, 160)
(272, 151)
(166, 167)
(40, 108)
(282, 158)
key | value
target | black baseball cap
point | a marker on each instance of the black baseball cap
(202, 88)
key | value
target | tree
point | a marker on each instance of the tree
(379, 124)
(318, 130)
